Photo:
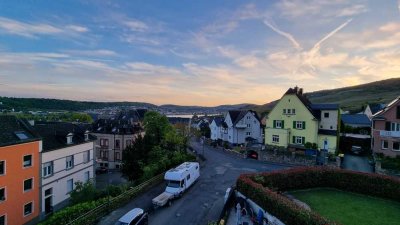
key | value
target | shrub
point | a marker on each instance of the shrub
(264, 189)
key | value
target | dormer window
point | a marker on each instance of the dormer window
(87, 135)
(69, 138)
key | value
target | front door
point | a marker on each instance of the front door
(48, 207)
(326, 144)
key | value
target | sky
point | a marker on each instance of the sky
(194, 52)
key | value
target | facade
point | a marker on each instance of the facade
(67, 158)
(386, 130)
(217, 129)
(372, 109)
(294, 121)
(19, 172)
(114, 135)
(241, 126)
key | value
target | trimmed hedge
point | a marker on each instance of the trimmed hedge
(265, 189)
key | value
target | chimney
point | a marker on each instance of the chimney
(300, 91)
(69, 138)
(296, 89)
(86, 135)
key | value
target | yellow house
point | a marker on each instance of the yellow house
(294, 121)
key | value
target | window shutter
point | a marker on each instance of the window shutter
(274, 125)
(294, 124)
(294, 139)
(387, 126)
(304, 125)
(283, 124)
(303, 140)
(398, 112)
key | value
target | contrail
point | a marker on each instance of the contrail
(285, 34)
(332, 33)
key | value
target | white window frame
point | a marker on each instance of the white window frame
(72, 188)
(297, 138)
(289, 111)
(23, 185)
(32, 209)
(46, 168)
(293, 111)
(5, 194)
(5, 218)
(393, 146)
(278, 122)
(4, 167)
(275, 138)
(299, 125)
(69, 164)
(248, 133)
(284, 111)
(383, 144)
(248, 125)
(23, 161)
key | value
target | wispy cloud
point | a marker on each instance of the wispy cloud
(136, 25)
(288, 36)
(98, 52)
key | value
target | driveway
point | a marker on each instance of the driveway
(357, 163)
(112, 177)
(204, 201)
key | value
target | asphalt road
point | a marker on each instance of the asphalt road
(357, 163)
(203, 202)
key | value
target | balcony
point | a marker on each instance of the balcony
(385, 133)
(242, 126)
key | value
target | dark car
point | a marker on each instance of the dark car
(101, 169)
(134, 217)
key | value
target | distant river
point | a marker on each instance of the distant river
(188, 115)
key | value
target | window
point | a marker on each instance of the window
(289, 111)
(248, 125)
(293, 111)
(48, 192)
(284, 111)
(2, 167)
(2, 194)
(70, 185)
(299, 125)
(385, 144)
(395, 127)
(298, 140)
(278, 124)
(188, 177)
(117, 144)
(275, 138)
(28, 184)
(47, 169)
(87, 176)
(27, 160)
(248, 117)
(396, 146)
(3, 220)
(128, 142)
(248, 133)
(69, 162)
(86, 156)
(326, 115)
(28, 208)
(117, 156)
(104, 142)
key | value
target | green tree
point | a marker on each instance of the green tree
(83, 192)
(133, 158)
(156, 126)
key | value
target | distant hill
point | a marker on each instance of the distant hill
(351, 98)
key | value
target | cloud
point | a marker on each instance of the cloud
(390, 27)
(136, 25)
(99, 52)
(352, 10)
(79, 29)
(288, 36)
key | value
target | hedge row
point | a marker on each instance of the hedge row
(265, 189)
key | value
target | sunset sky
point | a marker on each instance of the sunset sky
(194, 52)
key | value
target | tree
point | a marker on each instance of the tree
(156, 126)
(133, 158)
(83, 192)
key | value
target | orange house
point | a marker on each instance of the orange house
(19, 172)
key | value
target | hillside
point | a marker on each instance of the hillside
(351, 98)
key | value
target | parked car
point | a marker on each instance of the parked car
(134, 217)
(101, 169)
(356, 149)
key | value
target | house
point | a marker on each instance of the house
(372, 109)
(114, 135)
(66, 158)
(356, 120)
(20, 151)
(386, 130)
(216, 129)
(242, 126)
(295, 121)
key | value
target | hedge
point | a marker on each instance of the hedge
(265, 189)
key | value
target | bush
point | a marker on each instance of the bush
(264, 189)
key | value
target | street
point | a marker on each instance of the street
(203, 202)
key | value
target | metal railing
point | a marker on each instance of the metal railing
(113, 203)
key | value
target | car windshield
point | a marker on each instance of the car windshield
(174, 183)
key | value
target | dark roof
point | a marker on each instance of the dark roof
(54, 134)
(125, 122)
(381, 113)
(299, 93)
(234, 115)
(376, 107)
(237, 115)
(360, 119)
(15, 131)
(327, 132)
(218, 121)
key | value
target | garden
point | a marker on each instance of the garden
(335, 196)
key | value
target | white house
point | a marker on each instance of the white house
(217, 129)
(67, 158)
(242, 126)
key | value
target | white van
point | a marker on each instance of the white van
(178, 180)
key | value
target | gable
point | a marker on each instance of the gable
(289, 101)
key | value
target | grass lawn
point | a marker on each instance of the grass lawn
(350, 208)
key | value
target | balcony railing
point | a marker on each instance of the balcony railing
(385, 133)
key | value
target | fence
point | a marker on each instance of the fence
(97, 213)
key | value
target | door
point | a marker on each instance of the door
(48, 207)
(326, 144)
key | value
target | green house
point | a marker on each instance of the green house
(295, 121)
